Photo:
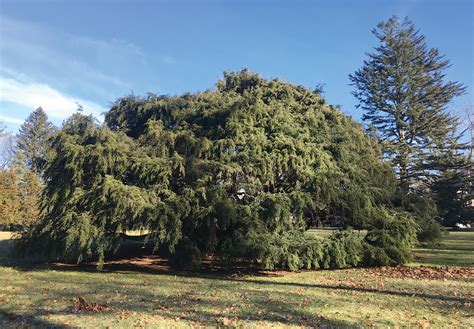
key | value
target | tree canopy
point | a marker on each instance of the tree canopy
(236, 172)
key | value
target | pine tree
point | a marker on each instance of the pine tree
(34, 139)
(403, 91)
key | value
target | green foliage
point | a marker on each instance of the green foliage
(425, 213)
(453, 193)
(30, 187)
(19, 197)
(291, 250)
(173, 166)
(9, 198)
(341, 250)
(401, 87)
(186, 255)
(390, 238)
(34, 138)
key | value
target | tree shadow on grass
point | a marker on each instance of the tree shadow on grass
(227, 304)
(159, 266)
(156, 265)
(210, 302)
(9, 319)
(213, 299)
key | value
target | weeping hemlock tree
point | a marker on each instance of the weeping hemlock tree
(404, 94)
(239, 172)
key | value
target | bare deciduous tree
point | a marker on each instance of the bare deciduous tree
(7, 149)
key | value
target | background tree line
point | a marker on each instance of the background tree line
(24, 156)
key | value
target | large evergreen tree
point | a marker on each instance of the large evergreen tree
(237, 172)
(403, 91)
(34, 139)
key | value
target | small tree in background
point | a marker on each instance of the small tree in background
(20, 186)
(19, 197)
(34, 139)
(453, 188)
(7, 150)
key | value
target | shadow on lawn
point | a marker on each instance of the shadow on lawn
(134, 260)
(188, 301)
(191, 307)
(155, 265)
(14, 320)
(208, 304)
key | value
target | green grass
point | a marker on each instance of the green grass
(149, 295)
(457, 249)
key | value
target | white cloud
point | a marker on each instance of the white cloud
(32, 94)
(99, 69)
(43, 66)
(10, 120)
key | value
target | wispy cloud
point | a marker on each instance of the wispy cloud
(43, 66)
(169, 60)
(78, 65)
(5, 119)
(31, 95)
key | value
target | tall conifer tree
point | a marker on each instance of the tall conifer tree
(403, 91)
(34, 139)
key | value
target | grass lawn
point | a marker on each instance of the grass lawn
(145, 293)
(457, 250)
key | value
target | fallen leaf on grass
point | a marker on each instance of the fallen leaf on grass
(425, 272)
(80, 305)
(225, 321)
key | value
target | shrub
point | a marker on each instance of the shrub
(290, 250)
(431, 232)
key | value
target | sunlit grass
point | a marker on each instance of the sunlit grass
(457, 249)
(43, 296)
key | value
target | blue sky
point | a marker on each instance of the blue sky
(56, 53)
